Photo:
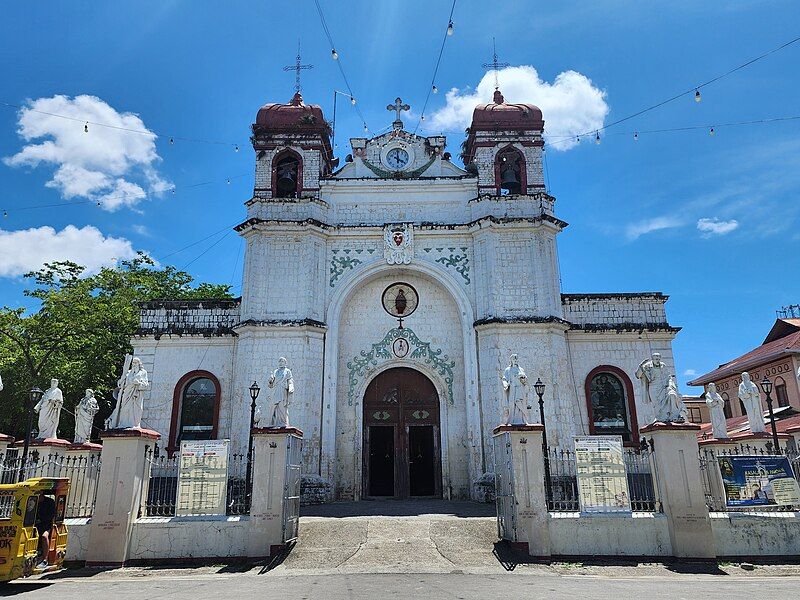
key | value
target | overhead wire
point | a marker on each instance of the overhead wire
(432, 86)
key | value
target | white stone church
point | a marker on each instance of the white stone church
(397, 286)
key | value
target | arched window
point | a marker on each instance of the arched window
(509, 171)
(610, 403)
(287, 174)
(726, 408)
(780, 392)
(195, 408)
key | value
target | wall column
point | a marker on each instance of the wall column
(124, 478)
(519, 484)
(677, 466)
(276, 489)
(5, 442)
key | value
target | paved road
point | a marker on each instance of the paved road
(387, 586)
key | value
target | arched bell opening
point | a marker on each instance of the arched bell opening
(287, 173)
(509, 171)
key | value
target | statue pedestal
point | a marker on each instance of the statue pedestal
(121, 490)
(677, 471)
(522, 516)
(275, 499)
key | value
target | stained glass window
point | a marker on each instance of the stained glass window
(609, 406)
(197, 410)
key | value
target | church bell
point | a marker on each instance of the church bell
(508, 180)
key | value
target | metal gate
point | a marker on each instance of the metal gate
(291, 489)
(504, 488)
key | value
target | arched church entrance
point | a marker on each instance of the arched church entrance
(402, 453)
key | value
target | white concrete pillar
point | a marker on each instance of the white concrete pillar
(124, 478)
(44, 456)
(5, 442)
(677, 474)
(274, 449)
(519, 471)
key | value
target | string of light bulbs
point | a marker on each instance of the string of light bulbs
(99, 201)
(432, 88)
(695, 90)
(171, 139)
(338, 60)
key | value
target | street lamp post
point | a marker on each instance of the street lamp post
(539, 389)
(34, 396)
(766, 386)
(254, 391)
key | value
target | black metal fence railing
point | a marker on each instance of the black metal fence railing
(162, 491)
(563, 495)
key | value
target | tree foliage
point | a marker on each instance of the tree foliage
(81, 332)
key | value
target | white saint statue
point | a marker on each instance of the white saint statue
(676, 405)
(130, 398)
(49, 409)
(281, 388)
(751, 398)
(716, 405)
(655, 380)
(85, 411)
(1, 381)
(515, 389)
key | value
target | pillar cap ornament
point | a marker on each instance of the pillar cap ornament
(274, 430)
(130, 432)
(524, 428)
(659, 426)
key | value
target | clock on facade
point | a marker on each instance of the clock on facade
(397, 158)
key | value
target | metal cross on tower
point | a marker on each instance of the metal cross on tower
(398, 106)
(494, 65)
(297, 67)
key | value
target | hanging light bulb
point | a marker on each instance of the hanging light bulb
(697, 96)
(711, 131)
(236, 148)
(635, 136)
(334, 54)
(596, 137)
(578, 139)
(86, 127)
(171, 141)
(422, 117)
(173, 190)
(228, 181)
(450, 28)
(435, 90)
(352, 101)
(5, 214)
(366, 128)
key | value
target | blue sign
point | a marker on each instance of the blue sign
(758, 481)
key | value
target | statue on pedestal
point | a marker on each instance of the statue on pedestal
(666, 402)
(751, 398)
(515, 390)
(281, 388)
(716, 405)
(49, 410)
(85, 411)
(130, 397)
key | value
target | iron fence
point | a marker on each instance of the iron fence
(161, 473)
(714, 488)
(83, 472)
(562, 495)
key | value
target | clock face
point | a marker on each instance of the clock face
(397, 158)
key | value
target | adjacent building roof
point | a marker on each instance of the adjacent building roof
(783, 339)
(786, 417)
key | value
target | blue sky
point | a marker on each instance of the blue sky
(710, 220)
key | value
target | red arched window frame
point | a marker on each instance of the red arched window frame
(278, 158)
(523, 171)
(629, 398)
(177, 398)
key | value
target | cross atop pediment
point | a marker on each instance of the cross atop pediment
(398, 107)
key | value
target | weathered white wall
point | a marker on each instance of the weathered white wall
(639, 534)
(78, 540)
(189, 537)
(756, 534)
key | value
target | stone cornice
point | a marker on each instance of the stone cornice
(623, 327)
(658, 296)
(522, 320)
(283, 323)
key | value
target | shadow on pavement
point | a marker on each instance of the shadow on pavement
(399, 508)
(21, 586)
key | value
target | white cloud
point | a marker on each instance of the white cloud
(715, 226)
(114, 167)
(28, 249)
(640, 228)
(690, 373)
(570, 105)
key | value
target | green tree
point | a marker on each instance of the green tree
(81, 331)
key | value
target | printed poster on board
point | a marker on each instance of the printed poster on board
(758, 481)
(202, 478)
(600, 469)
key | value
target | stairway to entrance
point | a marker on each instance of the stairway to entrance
(413, 536)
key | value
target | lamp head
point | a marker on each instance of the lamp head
(539, 387)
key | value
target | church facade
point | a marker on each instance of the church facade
(397, 286)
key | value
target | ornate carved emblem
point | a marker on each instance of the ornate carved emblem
(398, 247)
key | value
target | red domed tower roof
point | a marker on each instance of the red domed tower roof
(499, 115)
(294, 116)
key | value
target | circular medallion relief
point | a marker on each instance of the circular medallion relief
(400, 300)
(400, 347)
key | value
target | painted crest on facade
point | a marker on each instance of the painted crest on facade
(398, 247)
